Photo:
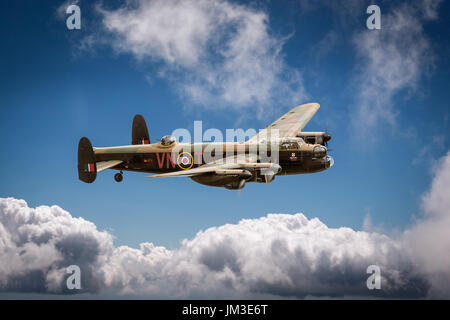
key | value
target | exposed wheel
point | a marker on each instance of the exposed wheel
(118, 177)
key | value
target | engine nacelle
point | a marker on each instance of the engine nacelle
(315, 137)
(267, 175)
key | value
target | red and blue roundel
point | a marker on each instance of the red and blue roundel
(185, 160)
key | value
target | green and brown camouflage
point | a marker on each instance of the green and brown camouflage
(279, 149)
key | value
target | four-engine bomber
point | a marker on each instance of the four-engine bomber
(280, 149)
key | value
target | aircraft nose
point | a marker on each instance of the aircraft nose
(320, 152)
(276, 167)
(330, 161)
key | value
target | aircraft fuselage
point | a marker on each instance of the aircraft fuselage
(155, 158)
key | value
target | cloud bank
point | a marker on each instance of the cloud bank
(429, 240)
(279, 255)
(215, 52)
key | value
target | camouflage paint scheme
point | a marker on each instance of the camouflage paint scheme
(229, 165)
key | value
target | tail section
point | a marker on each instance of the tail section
(140, 132)
(87, 168)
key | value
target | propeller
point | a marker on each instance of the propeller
(269, 174)
(326, 138)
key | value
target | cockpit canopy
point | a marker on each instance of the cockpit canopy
(285, 143)
(168, 140)
(290, 145)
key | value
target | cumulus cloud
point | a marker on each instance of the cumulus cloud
(36, 245)
(429, 239)
(215, 52)
(391, 60)
(279, 255)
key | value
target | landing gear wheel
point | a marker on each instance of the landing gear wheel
(118, 177)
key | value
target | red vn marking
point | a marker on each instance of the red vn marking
(164, 156)
(160, 162)
(145, 141)
(169, 160)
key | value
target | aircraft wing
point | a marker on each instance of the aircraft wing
(291, 123)
(227, 166)
(103, 165)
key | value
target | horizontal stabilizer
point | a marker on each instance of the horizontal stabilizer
(103, 165)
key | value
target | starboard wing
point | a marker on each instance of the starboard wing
(290, 124)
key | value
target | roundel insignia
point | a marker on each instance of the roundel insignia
(185, 160)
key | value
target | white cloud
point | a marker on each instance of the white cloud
(36, 244)
(390, 63)
(391, 60)
(430, 8)
(429, 239)
(276, 255)
(216, 53)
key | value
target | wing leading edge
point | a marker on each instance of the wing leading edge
(227, 166)
(225, 169)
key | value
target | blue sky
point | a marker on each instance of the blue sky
(52, 93)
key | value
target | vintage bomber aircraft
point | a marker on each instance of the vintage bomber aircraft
(234, 164)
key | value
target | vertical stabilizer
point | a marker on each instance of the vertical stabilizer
(87, 168)
(139, 131)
